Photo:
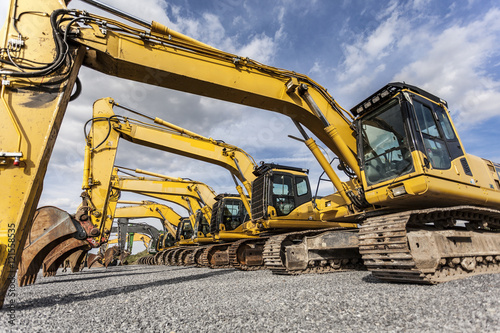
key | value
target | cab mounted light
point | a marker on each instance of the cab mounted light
(398, 191)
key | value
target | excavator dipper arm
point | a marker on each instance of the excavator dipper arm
(92, 216)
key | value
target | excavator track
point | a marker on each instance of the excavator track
(275, 255)
(144, 260)
(247, 254)
(159, 258)
(173, 259)
(188, 259)
(399, 247)
(197, 256)
(141, 261)
(216, 256)
(182, 259)
(167, 256)
(164, 257)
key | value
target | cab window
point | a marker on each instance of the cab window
(302, 188)
(283, 196)
(233, 214)
(384, 151)
(434, 144)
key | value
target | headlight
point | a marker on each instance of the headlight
(397, 191)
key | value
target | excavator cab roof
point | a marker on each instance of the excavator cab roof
(226, 195)
(265, 167)
(387, 92)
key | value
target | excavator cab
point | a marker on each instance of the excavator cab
(201, 224)
(278, 190)
(404, 119)
(184, 230)
(228, 213)
(408, 144)
(233, 213)
(167, 240)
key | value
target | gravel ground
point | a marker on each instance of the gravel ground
(186, 299)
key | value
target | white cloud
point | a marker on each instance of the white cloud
(366, 56)
(453, 68)
(449, 62)
(420, 4)
(260, 48)
(389, 10)
(378, 44)
(316, 69)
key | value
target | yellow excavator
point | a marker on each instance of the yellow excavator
(288, 210)
(199, 199)
(196, 231)
(125, 229)
(145, 209)
(171, 138)
(190, 232)
(64, 253)
(60, 251)
(132, 237)
(184, 226)
(437, 184)
(149, 209)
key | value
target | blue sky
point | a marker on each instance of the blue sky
(352, 48)
(355, 47)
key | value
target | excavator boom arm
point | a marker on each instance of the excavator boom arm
(190, 68)
(167, 215)
(157, 186)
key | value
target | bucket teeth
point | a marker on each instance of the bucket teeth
(27, 280)
(75, 260)
(111, 254)
(61, 252)
(50, 227)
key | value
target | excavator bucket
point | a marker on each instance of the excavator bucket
(60, 253)
(76, 259)
(93, 260)
(110, 255)
(123, 256)
(51, 226)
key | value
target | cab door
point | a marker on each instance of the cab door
(438, 141)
